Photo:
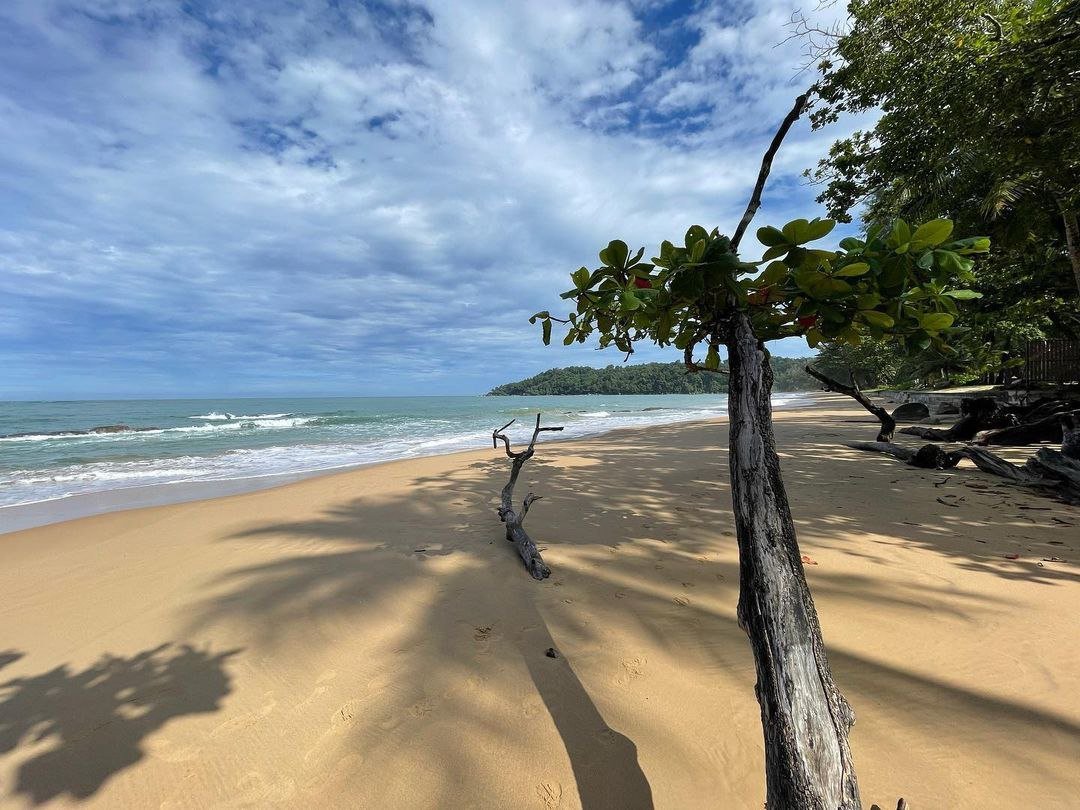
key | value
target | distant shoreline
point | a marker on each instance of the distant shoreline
(18, 517)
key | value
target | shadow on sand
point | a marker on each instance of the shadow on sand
(95, 719)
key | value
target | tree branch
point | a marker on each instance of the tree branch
(888, 424)
(801, 103)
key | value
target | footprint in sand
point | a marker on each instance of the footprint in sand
(245, 720)
(550, 794)
(632, 668)
(681, 601)
(422, 708)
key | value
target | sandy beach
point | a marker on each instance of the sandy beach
(369, 639)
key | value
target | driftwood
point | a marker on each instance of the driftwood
(515, 531)
(888, 424)
(1057, 472)
(976, 414)
(1047, 429)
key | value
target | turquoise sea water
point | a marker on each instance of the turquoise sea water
(171, 442)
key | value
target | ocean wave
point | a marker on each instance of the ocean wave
(214, 416)
(120, 432)
(327, 443)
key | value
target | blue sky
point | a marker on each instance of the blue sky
(337, 197)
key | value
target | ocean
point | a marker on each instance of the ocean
(159, 451)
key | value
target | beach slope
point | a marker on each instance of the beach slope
(369, 639)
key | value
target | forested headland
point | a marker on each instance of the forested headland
(649, 378)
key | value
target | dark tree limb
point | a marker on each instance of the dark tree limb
(1048, 429)
(888, 424)
(1049, 470)
(515, 532)
(977, 413)
(801, 103)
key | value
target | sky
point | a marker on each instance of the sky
(337, 197)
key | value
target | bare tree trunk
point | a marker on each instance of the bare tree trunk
(808, 761)
(888, 424)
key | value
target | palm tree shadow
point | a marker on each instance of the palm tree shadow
(98, 717)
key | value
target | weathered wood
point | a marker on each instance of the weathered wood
(808, 761)
(888, 424)
(1048, 429)
(1051, 471)
(977, 414)
(929, 456)
(515, 532)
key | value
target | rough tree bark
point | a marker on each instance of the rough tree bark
(888, 424)
(515, 532)
(808, 761)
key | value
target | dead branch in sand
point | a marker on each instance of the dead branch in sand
(515, 532)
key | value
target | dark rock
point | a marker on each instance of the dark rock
(911, 412)
(552, 652)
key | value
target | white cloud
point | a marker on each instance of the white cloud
(301, 199)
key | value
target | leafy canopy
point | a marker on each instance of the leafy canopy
(901, 283)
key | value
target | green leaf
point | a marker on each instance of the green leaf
(819, 228)
(773, 252)
(614, 255)
(935, 321)
(963, 295)
(770, 236)
(926, 261)
(695, 234)
(878, 319)
(571, 336)
(856, 269)
(933, 233)
(547, 332)
(712, 359)
(775, 272)
(850, 243)
(901, 234)
(629, 300)
(581, 278)
(793, 229)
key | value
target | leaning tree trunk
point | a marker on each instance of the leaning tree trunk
(806, 720)
(888, 424)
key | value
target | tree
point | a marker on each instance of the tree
(900, 285)
(980, 123)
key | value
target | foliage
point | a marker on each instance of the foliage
(900, 283)
(873, 364)
(980, 123)
(982, 94)
(648, 378)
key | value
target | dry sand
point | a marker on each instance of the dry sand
(368, 639)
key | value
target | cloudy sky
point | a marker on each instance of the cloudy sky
(342, 197)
